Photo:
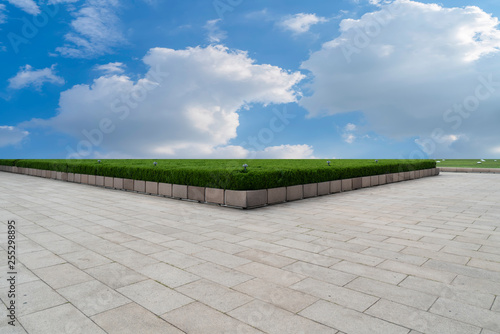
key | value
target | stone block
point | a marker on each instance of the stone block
(152, 188)
(335, 186)
(64, 176)
(53, 174)
(374, 180)
(310, 190)
(366, 182)
(108, 182)
(118, 183)
(140, 186)
(412, 175)
(389, 178)
(71, 177)
(437, 171)
(214, 195)
(165, 189)
(84, 178)
(14, 169)
(346, 184)
(59, 175)
(236, 198)
(128, 184)
(196, 193)
(276, 195)
(382, 179)
(323, 188)
(294, 192)
(92, 180)
(357, 183)
(78, 178)
(407, 176)
(179, 191)
(99, 181)
(256, 198)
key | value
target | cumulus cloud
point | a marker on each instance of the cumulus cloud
(111, 68)
(186, 104)
(301, 22)
(95, 30)
(29, 6)
(27, 76)
(413, 68)
(214, 33)
(285, 152)
(10, 135)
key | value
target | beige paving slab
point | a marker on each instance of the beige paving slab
(197, 318)
(271, 274)
(40, 259)
(85, 259)
(348, 320)
(177, 259)
(60, 319)
(154, 296)
(93, 297)
(133, 319)
(271, 319)
(167, 274)
(62, 275)
(221, 258)
(115, 275)
(214, 295)
(219, 274)
(36, 296)
(270, 259)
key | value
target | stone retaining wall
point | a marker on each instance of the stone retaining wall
(246, 199)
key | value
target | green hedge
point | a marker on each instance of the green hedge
(228, 174)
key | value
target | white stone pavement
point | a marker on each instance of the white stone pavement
(421, 256)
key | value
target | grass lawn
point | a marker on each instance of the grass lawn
(469, 163)
(228, 173)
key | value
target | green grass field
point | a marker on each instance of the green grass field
(469, 163)
(227, 173)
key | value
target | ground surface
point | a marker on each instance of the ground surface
(417, 256)
(469, 163)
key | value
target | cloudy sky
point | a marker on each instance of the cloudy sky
(249, 79)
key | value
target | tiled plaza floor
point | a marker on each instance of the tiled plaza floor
(421, 256)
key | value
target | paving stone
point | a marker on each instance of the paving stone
(419, 320)
(132, 319)
(467, 313)
(154, 296)
(348, 320)
(85, 259)
(214, 295)
(177, 259)
(272, 319)
(223, 259)
(40, 259)
(93, 297)
(336, 277)
(387, 276)
(271, 274)
(35, 296)
(342, 296)
(115, 275)
(409, 269)
(219, 274)
(62, 275)
(167, 275)
(197, 318)
(266, 258)
(60, 319)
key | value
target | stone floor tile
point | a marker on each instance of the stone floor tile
(62, 275)
(35, 296)
(214, 295)
(177, 259)
(40, 259)
(167, 274)
(285, 298)
(115, 275)
(133, 319)
(197, 318)
(219, 274)
(154, 296)
(85, 259)
(60, 319)
(348, 320)
(271, 319)
(271, 274)
(93, 297)
(388, 276)
(263, 257)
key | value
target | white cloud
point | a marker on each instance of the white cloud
(95, 30)
(29, 6)
(214, 33)
(405, 66)
(3, 17)
(27, 77)
(300, 23)
(54, 2)
(191, 111)
(350, 127)
(10, 135)
(285, 152)
(111, 68)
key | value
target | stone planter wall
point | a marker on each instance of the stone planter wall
(246, 199)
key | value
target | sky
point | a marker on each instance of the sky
(344, 79)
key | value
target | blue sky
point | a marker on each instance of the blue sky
(249, 79)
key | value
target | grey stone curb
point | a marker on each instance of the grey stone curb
(246, 199)
(469, 170)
